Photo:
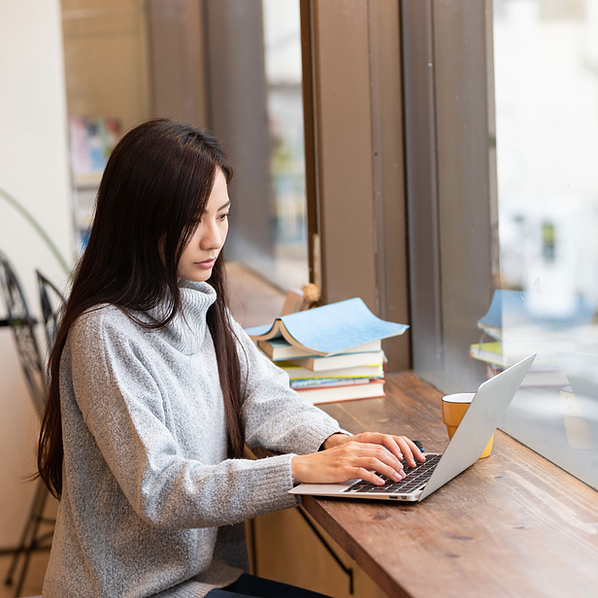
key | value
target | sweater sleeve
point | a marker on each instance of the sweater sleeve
(277, 417)
(124, 412)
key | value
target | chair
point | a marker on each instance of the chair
(52, 302)
(22, 324)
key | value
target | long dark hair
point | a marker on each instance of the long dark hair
(153, 192)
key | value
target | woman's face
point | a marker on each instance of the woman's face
(200, 254)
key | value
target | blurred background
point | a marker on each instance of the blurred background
(443, 167)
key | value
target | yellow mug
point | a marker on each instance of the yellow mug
(453, 408)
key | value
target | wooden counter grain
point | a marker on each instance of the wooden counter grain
(514, 524)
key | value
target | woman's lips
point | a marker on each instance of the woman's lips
(207, 263)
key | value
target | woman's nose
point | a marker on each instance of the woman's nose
(212, 237)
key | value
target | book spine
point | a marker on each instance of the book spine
(325, 382)
(297, 373)
(345, 360)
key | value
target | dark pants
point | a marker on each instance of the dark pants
(257, 587)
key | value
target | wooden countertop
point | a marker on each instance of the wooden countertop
(513, 524)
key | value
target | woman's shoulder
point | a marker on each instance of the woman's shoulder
(104, 318)
(101, 313)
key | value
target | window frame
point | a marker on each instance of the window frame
(451, 182)
(355, 159)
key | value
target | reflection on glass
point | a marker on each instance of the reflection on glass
(282, 49)
(107, 89)
(546, 81)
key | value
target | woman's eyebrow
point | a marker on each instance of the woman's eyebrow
(223, 207)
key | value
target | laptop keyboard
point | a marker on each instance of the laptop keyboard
(416, 478)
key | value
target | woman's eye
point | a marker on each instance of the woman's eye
(224, 216)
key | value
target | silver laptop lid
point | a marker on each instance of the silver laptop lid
(478, 424)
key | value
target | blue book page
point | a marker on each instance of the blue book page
(259, 331)
(334, 328)
(513, 309)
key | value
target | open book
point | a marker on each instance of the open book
(277, 349)
(330, 329)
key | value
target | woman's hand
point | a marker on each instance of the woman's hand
(364, 456)
(400, 446)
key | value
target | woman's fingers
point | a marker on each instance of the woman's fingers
(367, 456)
(400, 446)
(350, 460)
(405, 446)
(368, 476)
(393, 470)
(411, 450)
(370, 457)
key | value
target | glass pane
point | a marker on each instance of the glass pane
(105, 56)
(546, 82)
(282, 51)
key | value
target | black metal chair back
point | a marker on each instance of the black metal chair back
(22, 323)
(52, 303)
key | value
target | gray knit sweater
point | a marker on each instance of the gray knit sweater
(151, 505)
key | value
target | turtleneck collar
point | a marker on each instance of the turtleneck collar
(186, 331)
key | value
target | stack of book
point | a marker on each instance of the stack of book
(331, 353)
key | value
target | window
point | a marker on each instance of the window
(546, 78)
(502, 140)
(107, 88)
(282, 52)
(255, 106)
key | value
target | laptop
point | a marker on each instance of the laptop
(469, 440)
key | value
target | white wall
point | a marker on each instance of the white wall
(34, 170)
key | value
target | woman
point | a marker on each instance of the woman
(154, 390)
